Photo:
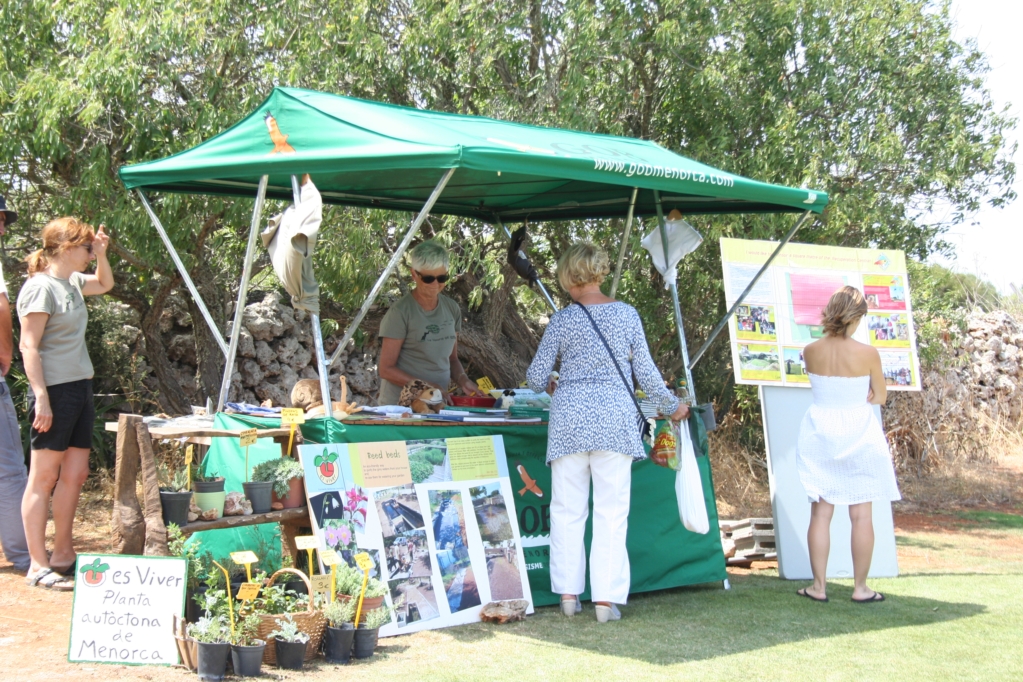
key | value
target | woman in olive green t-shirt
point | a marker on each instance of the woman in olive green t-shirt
(51, 306)
(419, 334)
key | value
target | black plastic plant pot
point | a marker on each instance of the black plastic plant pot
(192, 610)
(296, 586)
(365, 642)
(213, 660)
(216, 486)
(290, 655)
(248, 660)
(175, 507)
(337, 643)
(258, 493)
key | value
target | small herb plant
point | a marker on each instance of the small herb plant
(245, 630)
(206, 477)
(278, 471)
(287, 630)
(210, 630)
(199, 563)
(173, 482)
(340, 613)
(275, 599)
(349, 581)
(377, 618)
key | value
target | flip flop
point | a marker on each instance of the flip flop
(803, 593)
(51, 580)
(876, 597)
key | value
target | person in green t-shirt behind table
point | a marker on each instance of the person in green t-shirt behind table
(51, 306)
(419, 334)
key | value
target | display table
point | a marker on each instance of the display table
(662, 552)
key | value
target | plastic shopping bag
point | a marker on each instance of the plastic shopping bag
(689, 486)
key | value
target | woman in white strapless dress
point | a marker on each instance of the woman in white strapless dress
(842, 454)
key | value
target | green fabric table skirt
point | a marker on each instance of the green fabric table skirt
(662, 553)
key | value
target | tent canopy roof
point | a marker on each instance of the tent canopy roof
(363, 153)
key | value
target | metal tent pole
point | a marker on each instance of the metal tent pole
(690, 389)
(217, 334)
(243, 287)
(391, 265)
(625, 242)
(314, 321)
(749, 287)
(543, 289)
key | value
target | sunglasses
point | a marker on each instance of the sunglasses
(87, 247)
(430, 279)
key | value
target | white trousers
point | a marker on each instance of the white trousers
(570, 505)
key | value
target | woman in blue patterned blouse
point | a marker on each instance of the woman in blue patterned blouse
(593, 431)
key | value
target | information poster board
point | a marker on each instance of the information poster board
(436, 516)
(782, 314)
(123, 609)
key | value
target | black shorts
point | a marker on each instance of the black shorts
(73, 416)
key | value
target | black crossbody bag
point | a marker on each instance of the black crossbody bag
(641, 422)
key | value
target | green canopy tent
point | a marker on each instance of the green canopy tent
(373, 155)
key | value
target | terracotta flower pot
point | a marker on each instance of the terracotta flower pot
(296, 494)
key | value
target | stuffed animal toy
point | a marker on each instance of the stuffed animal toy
(506, 400)
(421, 397)
(306, 394)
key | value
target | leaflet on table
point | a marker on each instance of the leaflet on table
(781, 314)
(436, 516)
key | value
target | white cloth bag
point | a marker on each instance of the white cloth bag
(689, 486)
(682, 240)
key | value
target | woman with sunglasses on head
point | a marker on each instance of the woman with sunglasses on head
(51, 306)
(419, 333)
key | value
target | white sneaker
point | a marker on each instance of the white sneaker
(570, 607)
(606, 613)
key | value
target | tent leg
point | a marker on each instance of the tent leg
(690, 389)
(543, 290)
(217, 334)
(625, 243)
(727, 585)
(321, 365)
(391, 265)
(749, 287)
(243, 288)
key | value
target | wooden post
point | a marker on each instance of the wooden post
(156, 532)
(127, 523)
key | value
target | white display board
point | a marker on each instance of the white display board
(783, 410)
(436, 516)
(124, 607)
(782, 312)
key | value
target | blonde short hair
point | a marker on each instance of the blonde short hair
(582, 263)
(429, 255)
(846, 306)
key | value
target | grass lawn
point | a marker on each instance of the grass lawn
(956, 613)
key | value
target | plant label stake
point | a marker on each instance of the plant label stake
(330, 558)
(247, 438)
(292, 416)
(248, 591)
(308, 543)
(485, 384)
(321, 583)
(189, 451)
(365, 564)
(245, 558)
(230, 602)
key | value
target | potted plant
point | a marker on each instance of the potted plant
(258, 494)
(199, 565)
(337, 642)
(246, 649)
(290, 642)
(349, 582)
(175, 497)
(286, 474)
(209, 492)
(367, 635)
(212, 633)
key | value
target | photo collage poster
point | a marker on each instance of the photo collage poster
(782, 313)
(436, 516)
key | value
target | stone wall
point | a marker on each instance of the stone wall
(993, 346)
(275, 350)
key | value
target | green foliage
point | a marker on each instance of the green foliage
(245, 629)
(872, 101)
(348, 580)
(276, 599)
(421, 468)
(377, 617)
(279, 472)
(287, 630)
(200, 563)
(172, 481)
(339, 612)
(434, 456)
(210, 629)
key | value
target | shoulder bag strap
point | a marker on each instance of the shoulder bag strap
(614, 361)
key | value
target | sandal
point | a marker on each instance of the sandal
(67, 571)
(803, 593)
(571, 606)
(877, 596)
(51, 580)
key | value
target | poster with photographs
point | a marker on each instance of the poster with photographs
(781, 314)
(434, 516)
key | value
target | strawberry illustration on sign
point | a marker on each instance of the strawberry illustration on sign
(94, 573)
(326, 470)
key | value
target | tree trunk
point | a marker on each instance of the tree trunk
(210, 359)
(172, 398)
